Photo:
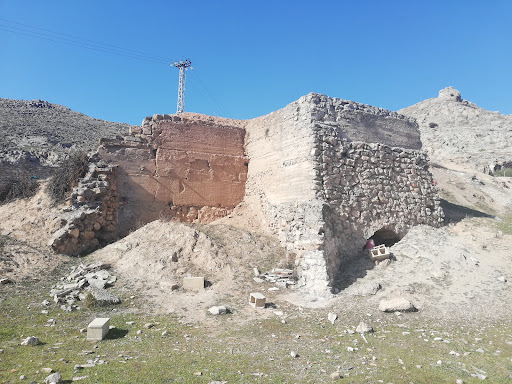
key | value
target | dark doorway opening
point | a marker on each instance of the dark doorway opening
(385, 236)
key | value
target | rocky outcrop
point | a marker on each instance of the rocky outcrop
(37, 136)
(457, 130)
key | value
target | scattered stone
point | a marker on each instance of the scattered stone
(258, 280)
(130, 322)
(31, 340)
(103, 297)
(218, 310)
(384, 263)
(365, 289)
(164, 333)
(480, 376)
(198, 373)
(256, 272)
(398, 304)
(459, 381)
(503, 279)
(364, 327)
(5, 280)
(332, 317)
(23, 377)
(139, 332)
(336, 375)
(149, 325)
(294, 354)
(77, 378)
(46, 303)
(54, 378)
(46, 370)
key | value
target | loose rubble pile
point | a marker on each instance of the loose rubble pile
(86, 279)
(279, 276)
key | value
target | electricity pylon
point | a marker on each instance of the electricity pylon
(183, 66)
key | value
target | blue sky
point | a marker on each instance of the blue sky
(252, 57)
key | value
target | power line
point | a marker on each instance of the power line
(45, 34)
(80, 42)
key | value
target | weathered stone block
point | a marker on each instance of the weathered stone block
(98, 329)
(193, 283)
(257, 300)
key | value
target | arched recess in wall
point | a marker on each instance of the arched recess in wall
(386, 236)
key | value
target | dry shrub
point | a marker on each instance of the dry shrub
(18, 187)
(67, 176)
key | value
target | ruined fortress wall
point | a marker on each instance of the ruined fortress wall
(191, 167)
(325, 185)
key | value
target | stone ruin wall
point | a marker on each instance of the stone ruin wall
(330, 187)
(91, 219)
(189, 167)
(326, 173)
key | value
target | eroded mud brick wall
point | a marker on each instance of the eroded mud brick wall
(329, 173)
(191, 167)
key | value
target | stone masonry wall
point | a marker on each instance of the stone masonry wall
(329, 173)
(90, 221)
(371, 187)
(190, 167)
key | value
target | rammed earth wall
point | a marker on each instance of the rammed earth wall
(189, 167)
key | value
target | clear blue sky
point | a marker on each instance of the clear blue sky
(253, 57)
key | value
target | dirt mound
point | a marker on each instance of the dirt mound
(25, 227)
(155, 259)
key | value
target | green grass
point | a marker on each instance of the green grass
(505, 225)
(242, 352)
(503, 172)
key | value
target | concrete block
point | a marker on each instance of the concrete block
(193, 283)
(380, 252)
(257, 300)
(98, 328)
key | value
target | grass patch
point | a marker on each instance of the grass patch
(503, 172)
(250, 352)
(505, 224)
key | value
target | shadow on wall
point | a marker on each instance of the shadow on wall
(453, 213)
(358, 263)
(137, 206)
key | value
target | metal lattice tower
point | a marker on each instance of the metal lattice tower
(182, 66)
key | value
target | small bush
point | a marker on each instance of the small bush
(503, 172)
(89, 301)
(17, 187)
(67, 176)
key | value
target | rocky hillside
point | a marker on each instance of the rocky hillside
(39, 134)
(459, 131)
